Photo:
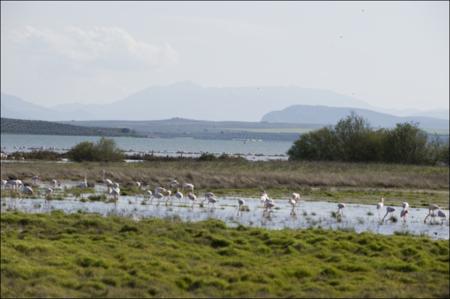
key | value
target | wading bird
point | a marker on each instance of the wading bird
(211, 198)
(179, 195)
(148, 194)
(431, 209)
(389, 210)
(404, 212)
(192, 197)
(83, 184)
(159, 193)
(441, 215)
(264, 197)
(56, 183)
(268, 205)
(340, 207)
(26, 190)
(115, 192)
(295, 198)
(174, 184)
(106, 181)
(48, 195)
(380, 205)
(168, 195)
(188, 186)
(241, 204)
(14, 184)
(35, 179)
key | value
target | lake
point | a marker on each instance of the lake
(161, 146)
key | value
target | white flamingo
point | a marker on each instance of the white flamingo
(192, 197)
(168, 195)
(241, 204)
(431, 209)
(179, 195)
(83, 184)
(211, 198)
(341, 206)
(188, 186)
(263, 198)
(268, 205)
(380, 205)
(115, 192)
(441, 215)
(159, 193)
(27, 190)
(14, 184)
(48, 195)
(174, 184)
(293, 200)
(56, 183)
(389, 210)
(147, 195)
(405, 211)
(35, 179)
(108, 182)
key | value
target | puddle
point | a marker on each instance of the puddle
(308, 214)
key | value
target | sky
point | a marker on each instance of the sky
(389, 54)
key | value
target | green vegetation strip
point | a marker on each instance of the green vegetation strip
(79, 255)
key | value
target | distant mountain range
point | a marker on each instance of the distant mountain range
(191, 101)
(331, 115)
(186, 100)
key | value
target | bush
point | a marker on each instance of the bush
(104, 150)
(37, 155)
(352, 140)
(207, 157)
(406, 144)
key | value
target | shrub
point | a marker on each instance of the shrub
(104, 150)
(353, 140)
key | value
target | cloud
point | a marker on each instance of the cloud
(102, 47)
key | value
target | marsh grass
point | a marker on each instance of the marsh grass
(330, 181)
(82, 255)
(245, 174)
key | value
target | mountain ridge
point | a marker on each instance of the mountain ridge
(192, 101)
(331, 115)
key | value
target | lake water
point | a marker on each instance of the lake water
(159, 146)
(356, 217)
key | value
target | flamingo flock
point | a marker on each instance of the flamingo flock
(174, 190)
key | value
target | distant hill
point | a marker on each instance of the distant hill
(331, 115)
(225, 130)
(14, 107)
(184, 99)
(20, 126)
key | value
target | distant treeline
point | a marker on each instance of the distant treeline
(20, 126)
(105, 150)
(353, 140)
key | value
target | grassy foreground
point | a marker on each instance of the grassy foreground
(348, 182)
(75, 255)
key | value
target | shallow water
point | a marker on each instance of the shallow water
(308, 214)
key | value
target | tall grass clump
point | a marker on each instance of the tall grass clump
(105, 150)
(353, 140)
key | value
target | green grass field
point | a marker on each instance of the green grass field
(80, 255)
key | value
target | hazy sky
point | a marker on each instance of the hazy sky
(390, 54)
